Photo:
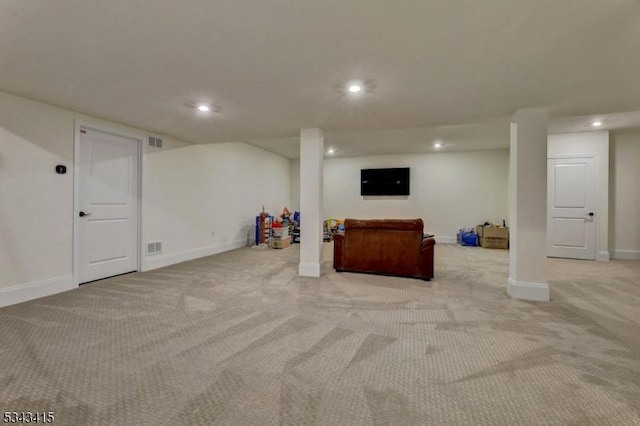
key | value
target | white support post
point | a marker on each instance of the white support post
(311, 209)
(528, 206)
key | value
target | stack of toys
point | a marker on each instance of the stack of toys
(281, 238)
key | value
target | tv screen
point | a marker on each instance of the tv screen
(384, 181)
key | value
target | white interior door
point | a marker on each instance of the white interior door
(571, 204)
(107, 205)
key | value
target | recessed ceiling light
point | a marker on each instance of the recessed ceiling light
(596, 123)
(203, 108)
(355, 88)
(331, 151)
(437, 144)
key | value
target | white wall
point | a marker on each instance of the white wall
(448, 190)
(189, 191)
(624, 187)
(35, 203)
(594, 144)
(203, 199)
(295, 185)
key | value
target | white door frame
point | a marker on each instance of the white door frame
(597, 200)
(139, 138)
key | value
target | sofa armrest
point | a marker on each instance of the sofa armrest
(338, 245)
(426, 257)
(427, 241)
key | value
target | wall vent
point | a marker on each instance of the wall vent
(155, 142)
(154, 248)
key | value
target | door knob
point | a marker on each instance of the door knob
(83, 214)
(591, 214)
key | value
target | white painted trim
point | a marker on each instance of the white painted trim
(76, 203)
(626, 254)
(162, 260)
(140, 138)
(309, 269)
(602, 256)
(446, 239)
(537, 292)
(565, 156)
(35, 290)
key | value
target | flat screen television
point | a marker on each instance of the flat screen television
(384, 181)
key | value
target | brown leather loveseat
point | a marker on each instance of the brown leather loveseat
(384, 246)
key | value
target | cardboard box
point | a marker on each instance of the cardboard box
(280, 243)
(280, 232)
(493, 236)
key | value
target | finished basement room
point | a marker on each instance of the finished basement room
(282, 213)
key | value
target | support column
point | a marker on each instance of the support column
(528, 206)
(311, 194)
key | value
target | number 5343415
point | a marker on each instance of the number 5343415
(28, 417)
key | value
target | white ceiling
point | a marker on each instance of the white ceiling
(273, 67)
(618, 123)
(491, 134)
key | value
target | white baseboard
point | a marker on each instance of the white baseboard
(161, 260)
(626, 254)
(536, 292)
(309, 269)
(446, 239)
(602, 256)
(35, 290)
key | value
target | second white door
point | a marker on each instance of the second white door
(571, 204)
(108, 205)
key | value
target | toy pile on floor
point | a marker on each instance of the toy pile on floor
(331, 227)
(264, 223)
(280, 231)
(277, 231)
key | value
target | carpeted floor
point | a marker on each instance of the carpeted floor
(240, 339)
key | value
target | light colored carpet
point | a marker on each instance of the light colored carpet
(240, 339)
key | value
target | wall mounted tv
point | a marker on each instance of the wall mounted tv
(384, 181)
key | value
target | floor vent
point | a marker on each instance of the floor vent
(154, 248)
